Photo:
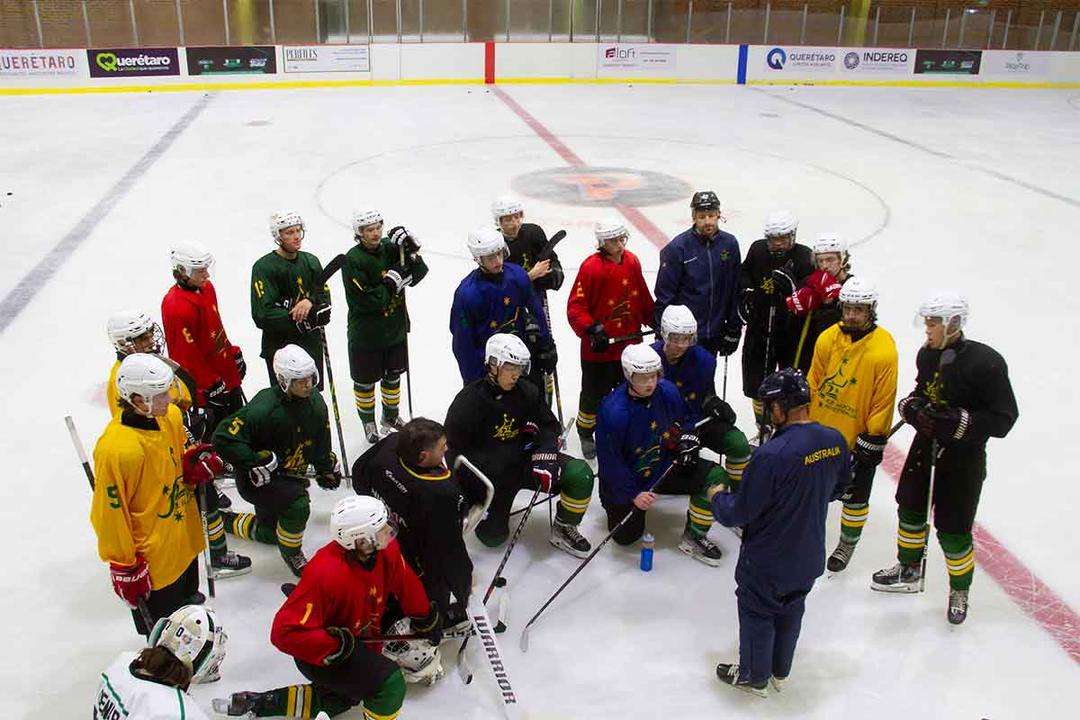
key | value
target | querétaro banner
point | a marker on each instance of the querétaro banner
(255, 59)
(947, 62)
(40, 62)
(132, 62)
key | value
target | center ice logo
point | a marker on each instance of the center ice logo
(601, 186)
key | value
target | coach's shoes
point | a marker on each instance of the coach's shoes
(729, 675)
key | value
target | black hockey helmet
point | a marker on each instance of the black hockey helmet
(787, 387)
(705, 200)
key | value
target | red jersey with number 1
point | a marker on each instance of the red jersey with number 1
(196, 338)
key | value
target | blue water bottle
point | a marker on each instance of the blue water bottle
(647, 542)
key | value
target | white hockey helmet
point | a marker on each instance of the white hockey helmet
(506, 205)
(609, 229)
(503, 349)
(419, 660)
(283, 219)
(678, 320)
(127, 326)
(486, 241)
(780, 223)
(830, 243)
(189, 256)
(144, 375)
(293, 363)
(194, 636)
(859, 291)
(950, 306)
(640, 358)
(362, 218)
(358, 518)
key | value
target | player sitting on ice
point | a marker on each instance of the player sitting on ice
(271, 441)
(508, 431)
(643, 428)
(184, 649)
(338, 602)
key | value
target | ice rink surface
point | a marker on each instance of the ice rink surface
(977, 189)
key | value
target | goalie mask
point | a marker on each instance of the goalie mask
(419, 660)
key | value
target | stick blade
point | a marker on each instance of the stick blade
(525, 639)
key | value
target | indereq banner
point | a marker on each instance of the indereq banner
(41, 62)
(133, 62)
(877, 61)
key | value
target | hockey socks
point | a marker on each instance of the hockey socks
(215, 529)
(390, 388)
(307, 701)
(244, 525)
(852, 520)
(959, 560)
(364, 394)
(576, 489)
(911, 536)
(736, 456)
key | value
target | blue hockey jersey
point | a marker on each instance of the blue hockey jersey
(704, 276)
(694, 375)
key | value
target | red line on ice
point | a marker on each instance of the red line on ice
(635, 216)
(1029, 592)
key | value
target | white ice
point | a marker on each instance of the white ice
(978, 189)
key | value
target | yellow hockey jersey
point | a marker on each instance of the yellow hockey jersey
(180, 392)
(141, 504)
(853, 384)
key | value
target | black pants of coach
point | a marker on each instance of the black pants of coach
(769, 624)
(163, 602)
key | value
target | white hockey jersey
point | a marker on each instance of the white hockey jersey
(122, 696)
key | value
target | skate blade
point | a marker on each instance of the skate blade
(711, 562)
(226, 573)
(569, 549)
(896, 589)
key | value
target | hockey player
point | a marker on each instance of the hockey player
(782, 503)
(505, 428)
(774, 268)
(196, 337)
(288, 303)
(143, 509)
(184, 649)
(693, 370)
(816, 302)
(271, 441)
(700, 269)
(376, 272)
(427, 506)
(609, 299)
(496, 297)
(962, 398)
(853, 389)
(643, 429)
(341, 597)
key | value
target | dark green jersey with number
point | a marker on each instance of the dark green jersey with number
(276, 285)
(297, 430)
(377, 318)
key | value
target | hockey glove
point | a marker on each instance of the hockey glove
(686, 450)
(598, 337)
(430, 625)
(729, 343)
(330, 479)
(950, 424)
(869, 449)
(241, 366)
(547, 357)
(719, 409)
(320, 315)
(131, 582)
(345, 647)
(746, 305)
(263, 469)
(529, 432)
(404, 240)
(825, 287)
(217, 396)
(545, 470)
(552, 281)
(914, 411)
(201, 465)
(394, 279)
(785, 285)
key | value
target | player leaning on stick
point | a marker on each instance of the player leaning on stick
(143, 510)
(375, 278)
(288, 303)
(962, 398)
(853, 385)
(816, 302)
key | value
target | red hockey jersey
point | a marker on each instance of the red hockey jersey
(196, 338)
(614, 294)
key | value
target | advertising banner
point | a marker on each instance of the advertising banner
(617, 59)
(231, 60)
(877, 61)
(947, 62)
(132, 62)
(1011, 62)
(801, 59)
(41, 62)
(325, 58)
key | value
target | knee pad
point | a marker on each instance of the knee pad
(577, 479)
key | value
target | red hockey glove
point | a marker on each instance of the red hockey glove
(201, 465)
(545, 469)
(131, 582)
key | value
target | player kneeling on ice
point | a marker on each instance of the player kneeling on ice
(643, 429)
(339, 602)
(782, 503)
(271, 441)
(185, 648)
(693, 370)
(428, 507)
(505, 428)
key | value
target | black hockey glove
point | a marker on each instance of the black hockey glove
(746, 305)
(404, 240)
(547, 357)
(330, 479)
(552, 281)
(216, 396)
(784, 282)
(719, 409)
(345, 649)
(869, 449)
(318, 316)
(262, 471)
(950, 424)
(241, 366)
(532, 330)
(395, 280)
(430, 625)
(598, 337)
(686, 450)
(545, 470)
(915, 411)
(729, 343)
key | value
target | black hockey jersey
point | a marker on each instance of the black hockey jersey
(526, 249)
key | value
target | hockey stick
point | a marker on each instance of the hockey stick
(632, 336)
(549, 249)
(555, 372)
(346, 470)
(207, 564)
(768, 366)
(802, 337)
(481, 624)
(331, 268)
(599, 546)
(144, 611)
(408, 327)
(723, 396)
